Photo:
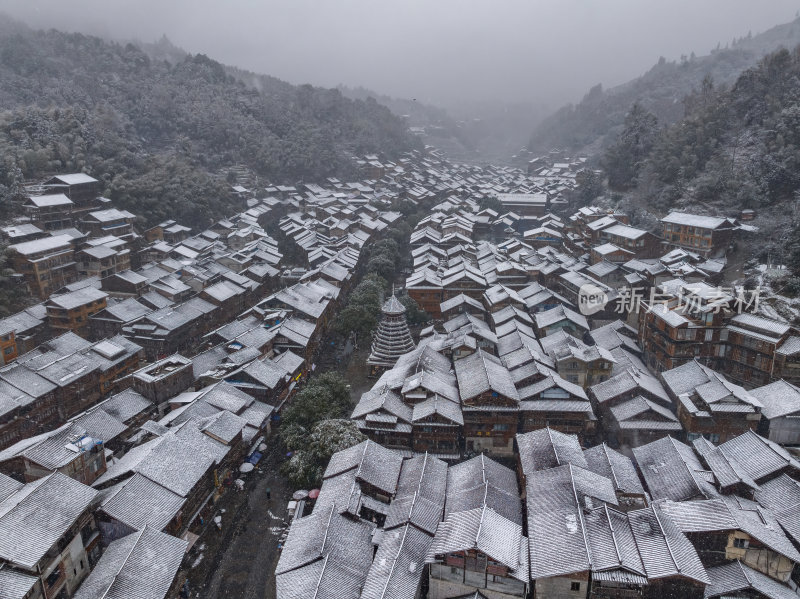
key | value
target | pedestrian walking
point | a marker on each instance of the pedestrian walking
(269, 493)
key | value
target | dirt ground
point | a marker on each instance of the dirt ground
(357, 373)
(239, 560)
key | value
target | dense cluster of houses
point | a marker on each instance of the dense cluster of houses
(531, 444)
(668, 352)
(132, 394)
(559, 521)
(523, 444)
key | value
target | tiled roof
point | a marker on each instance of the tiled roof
(373, 463)
(727, 470)
(758, 456)
(480, 373)
(126, 404)
(556, 499)
(398, 566)
(618, 468)
(140, 502)
(326, 578)
(779, 399)
(664, 549)
(15, 584)
(323, 533)
(176, 465)
(548, 448)
(34, 518)
(672, 471)
(142, 565)
(762, 525)
(734, 577)
(485, 530)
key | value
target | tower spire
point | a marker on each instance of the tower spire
(392, 339)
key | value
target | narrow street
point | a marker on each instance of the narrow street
(239, 560)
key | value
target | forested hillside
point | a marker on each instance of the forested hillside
(601, 113)
(160, 133)
(736, 148)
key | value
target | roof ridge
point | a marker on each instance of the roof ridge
(744, 572)
(552, 443)
(422, 474)
(321, 574)
(328, 526)
(688, 469)
(613, 535)
(666, 540)
(363, 455)
(122, 565)
(580, 516)
(480, 524)
(613, 474)
(394, 561)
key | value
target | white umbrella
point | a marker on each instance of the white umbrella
(246, 467)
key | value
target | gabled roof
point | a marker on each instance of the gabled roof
(460, 299)
(760, 457)
(485, 530)
(779, 399)
(38, 514)
(449, 410)
(420, 494)
(324, 533)
(382, 399)
(555, 315)
(140, 502)
(695, 220)
(612, 546)
(642, 413)
(373, 464)
(618, 468)
(732, 578)
(176, 465)
(433, 382)
(778, 493)
(483, 481)
(556, 499)
(142, 565)
(727, 470)
(628, 381)
(480, 373)
(548, 448)
(665, 551)
(398, 566)
(672, 471)
(15, 584)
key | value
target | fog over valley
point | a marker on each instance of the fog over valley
(393, 299)
(449, 53)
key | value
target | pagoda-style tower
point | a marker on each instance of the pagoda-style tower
(392, 339)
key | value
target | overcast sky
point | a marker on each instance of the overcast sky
(546, 51)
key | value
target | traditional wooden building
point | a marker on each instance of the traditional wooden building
(392, 339)
(709, 405)
(708, 235)
(47, 264)
(490, 403)
(71, 311)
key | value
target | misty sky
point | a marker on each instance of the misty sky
(440, 51)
